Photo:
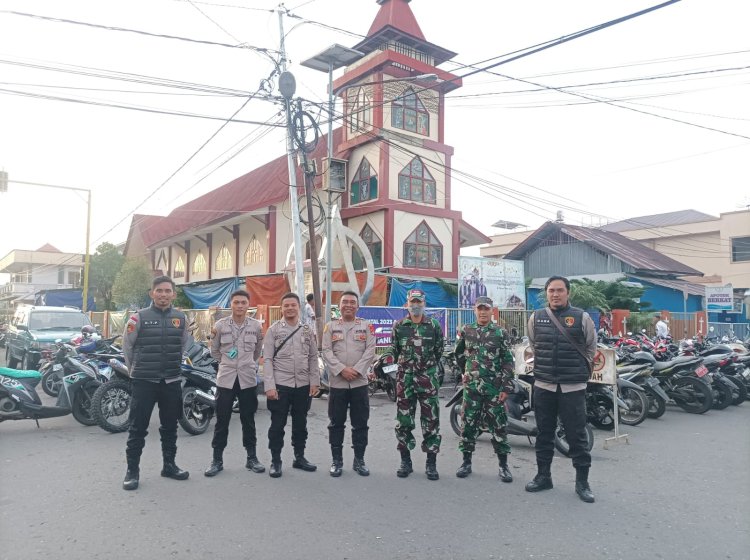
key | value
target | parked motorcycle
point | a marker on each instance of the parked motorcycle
(681, 379)
(110, 404)
(196, 413)
(641, 375)
(383, 378)
(19, 399)
(518, 405)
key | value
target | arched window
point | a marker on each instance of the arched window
(415, 183)
(422, 249)
(199, 263)
(224, 259)
(179, 268)
(360, 109)
(374, 244)
(365, 183)
(408, 113)
(254, 252)
(161, 263)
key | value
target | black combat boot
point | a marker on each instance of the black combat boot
(337, 462)
(252, 463)
(301, 463)
(430, 468)
(217, 463)
(505, 474)
(582, 485)
(171, 470)
(359, 463)
(542, 480)
(132, 476)
(465, 469)
(275, 470)
(405, 469)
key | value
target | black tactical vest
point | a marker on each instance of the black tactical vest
(158, 347)
(555, 359)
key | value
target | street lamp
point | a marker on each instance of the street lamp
(332, 58)
(4, 181)
(329, 60)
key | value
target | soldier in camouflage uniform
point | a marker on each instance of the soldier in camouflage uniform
(488, 379)
(417, 345)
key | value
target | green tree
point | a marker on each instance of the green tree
(182, 301)
(587, 294)
(132, 284)
(104, 267)
(621, 296)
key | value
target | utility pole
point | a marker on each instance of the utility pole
(308, 169)
(287, 86)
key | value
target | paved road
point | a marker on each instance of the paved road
(679, 490)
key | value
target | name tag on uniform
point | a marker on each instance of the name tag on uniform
(151, 323)
(336, 336)
(360, 337)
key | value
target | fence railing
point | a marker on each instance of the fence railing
(681, 325)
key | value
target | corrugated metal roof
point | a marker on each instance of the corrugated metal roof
(660, 220)
(641, 258)
(679, 285)
(265, 186)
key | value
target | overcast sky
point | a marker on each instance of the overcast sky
(522, 150)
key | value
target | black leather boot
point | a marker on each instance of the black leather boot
(252, 462)
(337, 462)
(275, 470)
(405, 469)
(430, 468)
(301, 463)
(171, 470)
(132, 476)
(217, 464)
(465, 469)
(359, 463)
(505, 474)
(542, 480)
(582, 485)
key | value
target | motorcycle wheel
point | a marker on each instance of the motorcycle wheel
(457, 422)
(722, 396)
(637, 404)
(81, 408)
(195, 417)
(656, 405)
(110, 406)
(692, 395)
(561, 441)
(390, 389)
(51, 382)
(599, 411)
(372, 387)
(739, 395)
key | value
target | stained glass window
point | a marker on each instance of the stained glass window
(408, 113)
(179, 268)
(224, 259)
(374, 244)
(416, 184)
(254, 252)
(364, 186)
(422, 249)
(199, 263)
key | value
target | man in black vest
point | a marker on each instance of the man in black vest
(153, 343)
(563, 339)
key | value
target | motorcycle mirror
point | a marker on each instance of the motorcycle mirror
(711, 329)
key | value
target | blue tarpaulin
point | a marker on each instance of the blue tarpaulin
(213, 294)
(62, 298)
(436, 295)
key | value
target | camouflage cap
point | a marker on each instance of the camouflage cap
(415, 294)
(483, 301)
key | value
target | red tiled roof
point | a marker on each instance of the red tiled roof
(265, 186)
(397, 14)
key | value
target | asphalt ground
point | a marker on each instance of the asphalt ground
(679, 489)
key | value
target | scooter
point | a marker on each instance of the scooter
(383, 377)
(518, 405)
(19, 399)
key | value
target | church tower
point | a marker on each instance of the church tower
(399, 179)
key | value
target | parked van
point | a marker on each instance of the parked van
(35, 328)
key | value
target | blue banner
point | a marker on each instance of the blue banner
(382, 319)
(436, 295)
(214, 294)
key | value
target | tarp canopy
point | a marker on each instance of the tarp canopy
(436, 294)
(266, 290)
(212, 294)
(63, 298)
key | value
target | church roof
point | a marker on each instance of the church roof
(395, 22)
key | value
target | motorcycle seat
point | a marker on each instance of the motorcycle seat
(20, 373)
(679, 360)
